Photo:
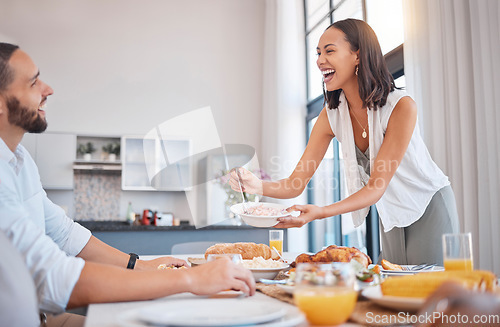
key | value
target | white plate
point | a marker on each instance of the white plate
(210, 312)
(293, 317)
(259, 221)
(267, 273)
(406, 272)
(392, 302)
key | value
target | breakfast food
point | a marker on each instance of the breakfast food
(424, 284)
(164, 266)
(248, 250)
(261, 210)
(390, 266)
(335, 253)
(262, 263)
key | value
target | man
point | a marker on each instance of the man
(69, 266)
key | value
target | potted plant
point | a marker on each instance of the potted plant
(86, 150)
(112, 149)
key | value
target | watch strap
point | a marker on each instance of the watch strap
(132, 260)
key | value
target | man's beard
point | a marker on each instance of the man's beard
(22, 117)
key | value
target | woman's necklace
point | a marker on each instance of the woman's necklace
(364, 135)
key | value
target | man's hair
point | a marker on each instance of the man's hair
(6, 74)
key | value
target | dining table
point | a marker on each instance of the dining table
(186, 306)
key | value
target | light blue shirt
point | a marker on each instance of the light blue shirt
(40, 230)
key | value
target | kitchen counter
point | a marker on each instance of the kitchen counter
(157, 240)
(114, 226)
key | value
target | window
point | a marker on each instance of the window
(328, 184)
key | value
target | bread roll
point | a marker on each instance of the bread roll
(248, 251)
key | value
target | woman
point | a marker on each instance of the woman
(386, 160)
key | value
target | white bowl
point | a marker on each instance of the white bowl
(267, 273)
(258, 221)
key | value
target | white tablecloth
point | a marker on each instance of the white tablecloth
(122, 313)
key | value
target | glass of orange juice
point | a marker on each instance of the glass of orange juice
(457, 252)
(276, 240)
(325, 292)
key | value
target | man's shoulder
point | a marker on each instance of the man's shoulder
(8, 188)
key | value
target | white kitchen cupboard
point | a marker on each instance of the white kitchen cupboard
(154, 164)
(54, 155)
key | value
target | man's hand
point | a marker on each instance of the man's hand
(218, 276)
(153, 264)
(308, 213)
(453, 300)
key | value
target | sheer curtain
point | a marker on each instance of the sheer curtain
(284, 98)
(452, 70)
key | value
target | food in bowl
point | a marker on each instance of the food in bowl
(261, 263)
(259, 214)
(266, 211)
(264, 268)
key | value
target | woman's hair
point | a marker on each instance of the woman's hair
(6, 75)
(374, 79)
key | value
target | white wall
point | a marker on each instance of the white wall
(124, 66)
(121, 67)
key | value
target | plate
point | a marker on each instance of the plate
(259, 221)
(210, 312)
(293, 317)
(392, 302)
(196, 261)
(267, 273)
(403, 272)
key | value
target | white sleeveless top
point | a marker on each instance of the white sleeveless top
(415, 181)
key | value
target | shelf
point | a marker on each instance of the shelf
(97, 165)
(99, 162)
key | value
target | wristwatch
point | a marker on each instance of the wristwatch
(131, 260)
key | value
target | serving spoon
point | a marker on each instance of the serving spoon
(245, 210)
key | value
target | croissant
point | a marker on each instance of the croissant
(335, 253)
(248, 251)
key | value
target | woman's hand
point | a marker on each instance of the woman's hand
(249, 182)
(153, 264)
(220, 275)
(308, 213)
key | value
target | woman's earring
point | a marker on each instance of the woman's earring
(356, 72)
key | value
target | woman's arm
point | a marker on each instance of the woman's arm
(398, 135)
(293, 186)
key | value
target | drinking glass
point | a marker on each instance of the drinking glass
(325, 292)
(457, 252)
(234, 257)
(276, 240)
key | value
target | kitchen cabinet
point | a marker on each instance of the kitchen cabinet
(153, 164)
(54, 155)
